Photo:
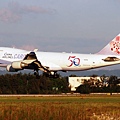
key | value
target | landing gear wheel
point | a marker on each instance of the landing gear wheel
(51, 74)
(54, 75)
(36, 73)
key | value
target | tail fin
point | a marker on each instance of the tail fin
(113, 48)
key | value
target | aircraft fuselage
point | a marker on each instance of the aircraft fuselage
(60, 61)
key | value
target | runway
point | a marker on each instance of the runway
(55, 95)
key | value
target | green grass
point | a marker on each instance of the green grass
(85, 107)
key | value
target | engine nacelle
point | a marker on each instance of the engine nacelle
(18, 65)
(11, 69)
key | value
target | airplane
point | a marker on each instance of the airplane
(50, 62)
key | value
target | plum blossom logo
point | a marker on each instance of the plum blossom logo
(74, 61)
(115, 45)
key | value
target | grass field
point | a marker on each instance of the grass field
(84, 107)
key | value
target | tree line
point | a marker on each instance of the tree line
(29, 84)
(113, 86)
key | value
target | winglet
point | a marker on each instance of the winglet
(113, 48)
(35, 50)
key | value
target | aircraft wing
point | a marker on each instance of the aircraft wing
(29, 62)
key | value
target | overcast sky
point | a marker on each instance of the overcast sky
(82, 26)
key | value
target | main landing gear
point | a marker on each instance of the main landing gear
(52, 74)
(36, 73)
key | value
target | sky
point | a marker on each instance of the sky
(81, 26)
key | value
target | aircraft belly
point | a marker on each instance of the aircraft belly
(4, 63)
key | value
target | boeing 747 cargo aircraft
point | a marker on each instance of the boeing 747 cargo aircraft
(51, 62)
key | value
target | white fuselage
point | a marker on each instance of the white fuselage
(58, 61)
(73, 62)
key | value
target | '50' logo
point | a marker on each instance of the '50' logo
(74, 61)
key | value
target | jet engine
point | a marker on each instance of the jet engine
(11, 69)
(18, 65)
(15, 66)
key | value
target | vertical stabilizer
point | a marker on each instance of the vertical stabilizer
(113, 48)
